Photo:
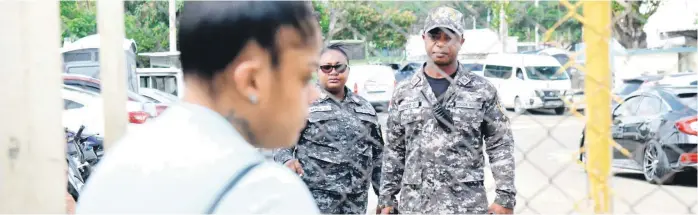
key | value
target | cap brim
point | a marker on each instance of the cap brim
(443, 26)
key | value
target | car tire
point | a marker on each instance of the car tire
(560, 110)
(655, 165)
(518, 107)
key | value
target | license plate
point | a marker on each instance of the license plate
(554, 103)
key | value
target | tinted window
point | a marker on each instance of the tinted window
(68, 104)
(545, 73)
(628, 108)
(492, 71)
(694, 83)
(166, 84)
(473, 67)
(145, 82)
(689, 99)
(649, 106)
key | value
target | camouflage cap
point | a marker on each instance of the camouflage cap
(445, 17)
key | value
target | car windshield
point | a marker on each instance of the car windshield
(545, 73)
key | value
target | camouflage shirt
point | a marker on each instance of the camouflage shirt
(341, 146)
(442, 172)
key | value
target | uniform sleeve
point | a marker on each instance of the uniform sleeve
(283, 155)
(286, 154)
(393, 159)
(499, 143)
(377, 144)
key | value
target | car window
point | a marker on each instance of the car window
(69, 104)
(689, 99)
(473, 66)
(694, 83)
(628, 108)
(649, 106)
(89, 71)
(545, 73)
(493, 71)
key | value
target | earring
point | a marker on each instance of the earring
(253, 99)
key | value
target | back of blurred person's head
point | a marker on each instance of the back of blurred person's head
(251, 61)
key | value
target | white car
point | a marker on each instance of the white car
(86, 108)
(680, 79)
(374, 83)
(158, 96)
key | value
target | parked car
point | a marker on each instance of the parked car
(407, 71)
(526, 82)
(77, 101)
(374, 83)
(161, 99)
(94, 85)
(680, 79)
(658, 126)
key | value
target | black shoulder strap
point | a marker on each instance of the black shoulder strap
(236, 178)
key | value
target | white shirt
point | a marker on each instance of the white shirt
(180, 162)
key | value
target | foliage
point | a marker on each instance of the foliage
(146, 22)
(382, 27)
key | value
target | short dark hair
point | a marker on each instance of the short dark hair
(337, 47)
(212, 34)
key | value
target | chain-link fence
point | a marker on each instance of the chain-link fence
(509, 124)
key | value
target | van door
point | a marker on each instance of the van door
(499, 76)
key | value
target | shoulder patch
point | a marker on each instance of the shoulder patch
(320, 108)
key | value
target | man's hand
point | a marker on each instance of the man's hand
(294, 165)
(385, 210)
(498, 209)
(70, 203)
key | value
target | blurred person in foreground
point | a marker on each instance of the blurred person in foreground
(436, 127)
(339, 151)
(247, 67)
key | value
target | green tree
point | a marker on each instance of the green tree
(78, 19)
(381, 25)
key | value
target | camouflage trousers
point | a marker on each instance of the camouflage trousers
(330, 202)
(443, 198)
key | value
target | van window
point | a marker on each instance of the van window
(493, 71)
(89, 71)
(545, 73)
(166, 84)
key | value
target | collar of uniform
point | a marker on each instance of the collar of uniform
(348, 94)
(462, 76)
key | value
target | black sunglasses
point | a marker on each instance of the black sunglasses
(340, 68)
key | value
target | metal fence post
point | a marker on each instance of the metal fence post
(110, 25)
(597, 33)
(32, 162)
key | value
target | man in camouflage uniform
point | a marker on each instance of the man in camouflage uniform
(438, 122)
(339, 153)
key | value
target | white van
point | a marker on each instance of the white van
(526, 81)
(168, 80)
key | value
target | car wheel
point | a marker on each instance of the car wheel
(655, 165)
(560, 110)
(518, 106)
